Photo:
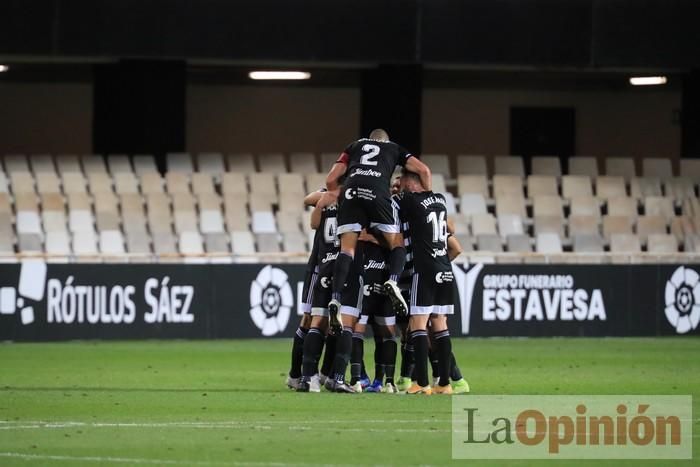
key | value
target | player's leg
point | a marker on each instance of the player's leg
(443, 350)
(459, 384)
(300, 334)
(312, 352)
(407, 360)
(313, 343)
(357, 353)
(419, 338)
(298, 350)
(328, 358)
(341, 270)
(342, 356)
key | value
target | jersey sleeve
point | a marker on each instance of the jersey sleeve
(404, 155)
(344, 157)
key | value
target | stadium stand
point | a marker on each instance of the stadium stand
(212, 207)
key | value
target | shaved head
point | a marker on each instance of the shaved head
(379, 135)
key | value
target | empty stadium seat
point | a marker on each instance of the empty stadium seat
(507, 185)
(294, 242)
(509, 165)
(242, 243)
(583, 165)
(471, 203)
(111, 242)
(263, 222)
(546, 165)
(177, 182)
(576, 186)
(16, 163)
(68, 163)
(138, 243)
(190, 243)
(272, 163)
(610, 187)
(202, 183)
(620, 167)
(489, 242)
(211, 163)
(438, 163)
(648, 225)
(679, 188)
(477, 184)
(471, 165)
(179, 162)
(119, 163)
(93, 163)
(126, 183)
(243, 163)
(42, 163)
(662, 243)
(268, 242)
(622, 206)
(641, 187)
(690, 168)
(303, 162)
(625, 243)
(151, 182)
(84, 243)
(659, 206)
(74, 182)
(617, 225)
(548, 243)
(509, 224)
(588, 243)
(144, 164)
(216, 242)
(657, 167)
(483, 224)
(542, 185)
(58, 243)
(518, 243)
(327, 160)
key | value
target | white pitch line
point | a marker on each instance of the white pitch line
(136, 460)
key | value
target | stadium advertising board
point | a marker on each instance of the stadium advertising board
(40, 301)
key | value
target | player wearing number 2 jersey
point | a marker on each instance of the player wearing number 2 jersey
(365, 203)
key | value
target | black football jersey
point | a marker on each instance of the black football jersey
(424, 218)
(328, 242)
(371, 163)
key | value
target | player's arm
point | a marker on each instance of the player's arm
(454, 248)
(413, 164)
(327, 198)
(312, 198)
(338, 170)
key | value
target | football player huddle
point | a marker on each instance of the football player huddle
(381, 258)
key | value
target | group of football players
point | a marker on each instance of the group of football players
(381, 257)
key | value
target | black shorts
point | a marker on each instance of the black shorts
(367, 208)
(307, 291)
(351, 298)
(321, 292)
(432, 293)
(375, 303)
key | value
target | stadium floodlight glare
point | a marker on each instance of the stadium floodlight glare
(289, 75)
(4, 68)
(647, 80)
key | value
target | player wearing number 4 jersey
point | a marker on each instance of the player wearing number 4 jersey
(365, 203)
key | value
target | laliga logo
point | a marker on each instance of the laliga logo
(32, 282)
(271, 301)
(683, 300)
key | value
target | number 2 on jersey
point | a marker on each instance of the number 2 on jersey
(372, 151)
(439, 226)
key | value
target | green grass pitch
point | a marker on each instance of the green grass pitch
(224, 402)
